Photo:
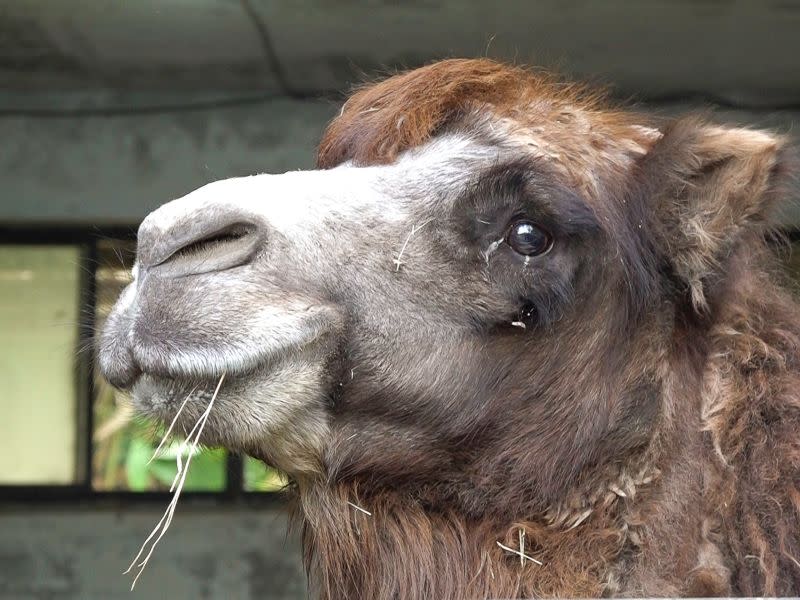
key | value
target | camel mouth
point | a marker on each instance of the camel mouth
(252, 411)
(159, 397)
(175, 389)
(164, 383)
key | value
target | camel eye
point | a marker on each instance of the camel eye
(529, 240)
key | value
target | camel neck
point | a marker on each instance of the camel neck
(387, 545)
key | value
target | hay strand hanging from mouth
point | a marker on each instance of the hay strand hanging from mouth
(192, 441)
(171, 425)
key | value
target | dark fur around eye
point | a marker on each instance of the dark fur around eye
(525, 191)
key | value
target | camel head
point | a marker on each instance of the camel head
(494, 295)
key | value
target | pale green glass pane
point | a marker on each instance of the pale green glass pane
(39, 308)
(122, 442)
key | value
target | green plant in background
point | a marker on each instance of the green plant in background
(124, 446)
(206, 472)
(259, 477)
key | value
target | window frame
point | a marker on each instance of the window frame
(86, 239)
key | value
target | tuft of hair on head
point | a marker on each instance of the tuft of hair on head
(381, 120)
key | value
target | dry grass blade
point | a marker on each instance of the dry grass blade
(522, 556)
(414, 229)
(188, 442)
(363, 510)
(193, 439)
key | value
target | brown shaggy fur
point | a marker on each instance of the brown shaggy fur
(380, 121)
(706, 500)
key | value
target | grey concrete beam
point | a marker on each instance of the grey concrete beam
(92, 170)
(114, 170)
(742, 51)
(153, 44)
(745, 52)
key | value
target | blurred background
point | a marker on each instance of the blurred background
(109, 108)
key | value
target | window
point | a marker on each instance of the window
(64, 426)
(39, 312)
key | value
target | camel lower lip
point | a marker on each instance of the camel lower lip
(154, 392)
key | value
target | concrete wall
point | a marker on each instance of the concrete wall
(80, 552)
(109, 109)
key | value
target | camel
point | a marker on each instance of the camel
(508, 340)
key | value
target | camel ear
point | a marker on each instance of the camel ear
(713, 187)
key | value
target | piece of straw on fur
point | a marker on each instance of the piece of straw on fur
(177, 484)
(414, 229)
(357, 507)
(520, 553)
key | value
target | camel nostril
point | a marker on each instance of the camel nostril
(225, 248)
(212, 242)
(194, 249)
